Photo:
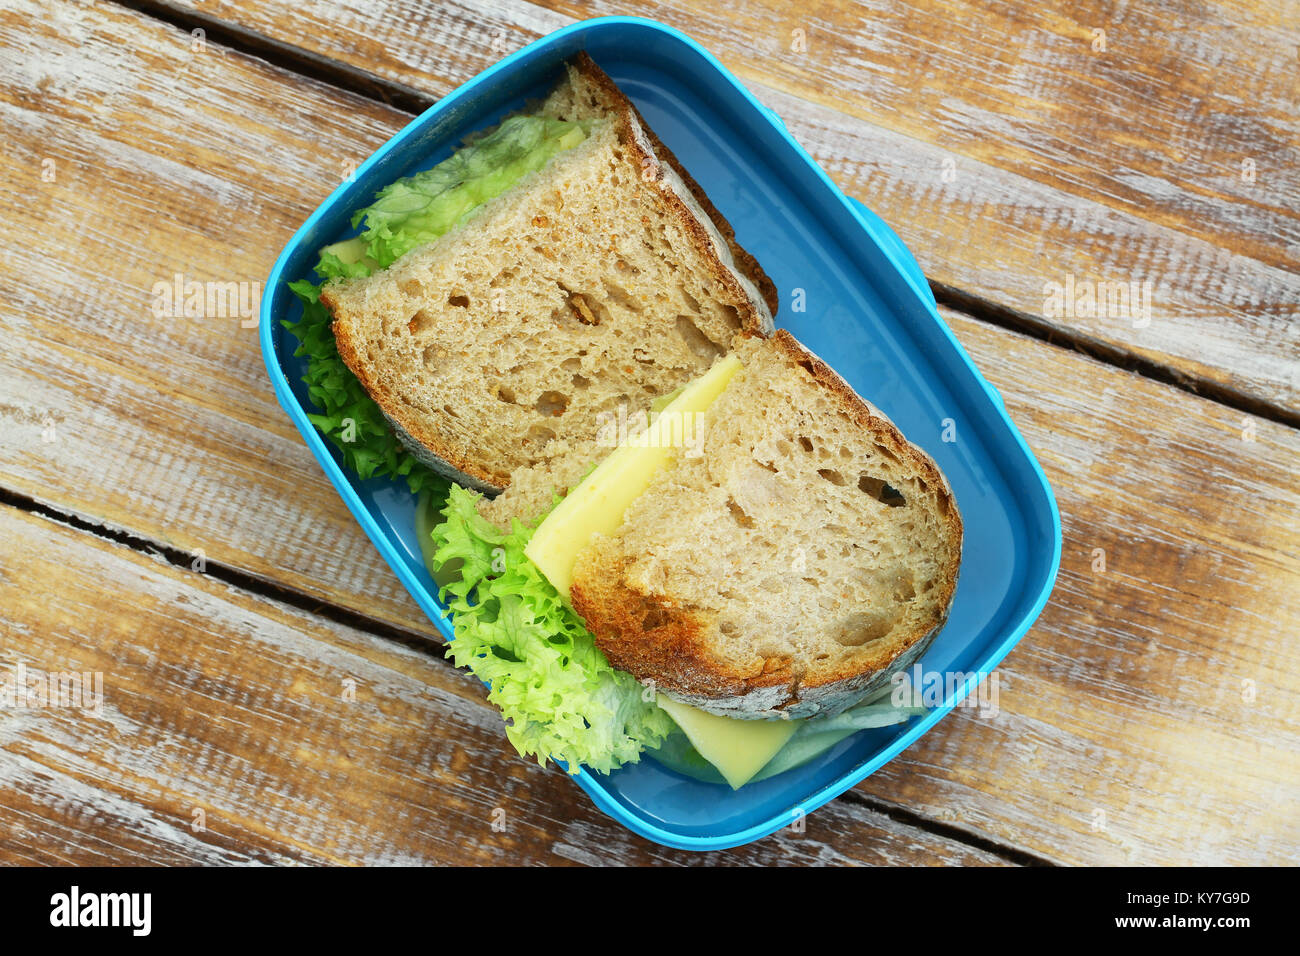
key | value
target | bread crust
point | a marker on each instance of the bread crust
(423, 444)
(741, 256)
(420, 437)
(663, 643)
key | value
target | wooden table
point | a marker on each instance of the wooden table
(273, 695)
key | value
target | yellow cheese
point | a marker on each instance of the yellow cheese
(352, 251)
(738, 748)
(597, 504)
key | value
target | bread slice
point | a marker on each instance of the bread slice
(807, 552)
(604, 279)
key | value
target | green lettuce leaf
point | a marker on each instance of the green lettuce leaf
(407, 213)
(418, 208)
(814, 737)
(560, 698)
(349, 417)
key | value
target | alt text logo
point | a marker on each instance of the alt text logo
(183, 298)
(661, 429)
(83, 690)
(922, 688)
(1086, 299)
(75, 908)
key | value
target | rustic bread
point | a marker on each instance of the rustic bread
(806, 553)
(604, 279)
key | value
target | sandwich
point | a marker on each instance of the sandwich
(661, 525)
(782, 568)
(595, 274)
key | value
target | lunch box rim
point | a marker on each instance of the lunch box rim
(895, 252)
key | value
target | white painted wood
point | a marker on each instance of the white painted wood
(1005, 151)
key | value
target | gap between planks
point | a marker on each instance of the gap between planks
(323, 69)
(226, 574)
(408, 99)
(416, 641)
(908, 817)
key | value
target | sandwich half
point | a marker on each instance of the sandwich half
(766, 546)
(783, 563)
(600, 278)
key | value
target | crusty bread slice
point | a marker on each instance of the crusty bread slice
(807, 552)
(604, 279)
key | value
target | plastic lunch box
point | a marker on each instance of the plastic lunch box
(867, 309)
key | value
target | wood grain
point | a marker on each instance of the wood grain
(1152, 715)
(1119, 700)
(300, 741)
(1006, 151)
(166, 162)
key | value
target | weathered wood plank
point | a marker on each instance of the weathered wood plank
(1152, 715)
(165, 162)
(168, 428)
(1007, 152)
(231, 729)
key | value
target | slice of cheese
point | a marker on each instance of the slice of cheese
(738, 748)
(597, 504)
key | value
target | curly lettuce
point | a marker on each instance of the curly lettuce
(560, 697)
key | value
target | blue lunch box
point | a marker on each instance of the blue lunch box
(867, 309)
